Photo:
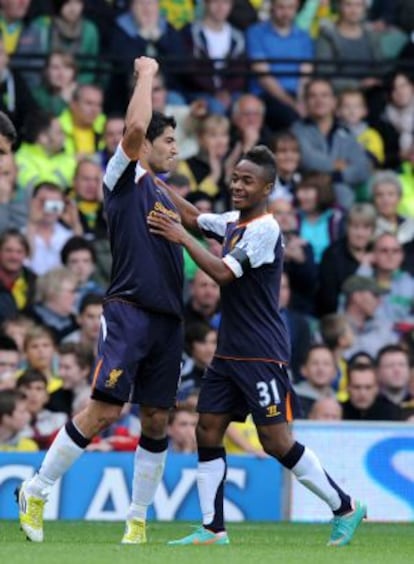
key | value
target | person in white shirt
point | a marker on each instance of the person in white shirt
(45, 230)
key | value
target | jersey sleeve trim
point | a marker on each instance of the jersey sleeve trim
(117, 165)
(214, 225)
(234, 265)
(242, 258)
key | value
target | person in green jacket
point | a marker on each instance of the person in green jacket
(41, 154)
(58, 84)
(68, 31)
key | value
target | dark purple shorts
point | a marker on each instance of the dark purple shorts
(240, 387)
(139, 356)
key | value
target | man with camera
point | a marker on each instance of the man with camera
(53, 219)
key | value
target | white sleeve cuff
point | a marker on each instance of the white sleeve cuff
(234, 266)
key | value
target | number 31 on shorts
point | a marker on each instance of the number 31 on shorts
(268, 393)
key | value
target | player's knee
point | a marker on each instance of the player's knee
(207, 436)
(96, 417)
(112, 415)
(154, 422)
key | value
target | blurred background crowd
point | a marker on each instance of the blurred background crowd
(327, 85)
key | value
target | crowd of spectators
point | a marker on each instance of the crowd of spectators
(327, 85)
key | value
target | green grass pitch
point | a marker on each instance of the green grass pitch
(88, 542)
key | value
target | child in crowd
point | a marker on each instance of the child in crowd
(89, 321)
(287, 156)
(338, 336)
(352, 110)
(319, 371)
(76, 362)
(17, 328)
(44, 424)
(200, 341)
(39, 349)
(78, 255)
(14, 418)
(181, 430)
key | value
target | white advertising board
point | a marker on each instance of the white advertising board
(373, 462)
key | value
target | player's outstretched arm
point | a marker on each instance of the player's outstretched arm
(164, 226)
(139, 111)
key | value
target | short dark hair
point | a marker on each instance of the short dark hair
(13, 233)
(48, 185)
(316, 347)
(317, 80)
(114, 115)
(391, 78)
(90, 299)
(8, 401)
(361, 357)
(158, 124)
(7, 343)
(359, 367)
(390, 349)
(7, 128)
(76, 243)
(196, 332)
(58, 5)
(30, 376)
(178, 180)
(325, 196)
(262, 156)
(83, 354)
(198, 196)
(284, 136)
(36, 123)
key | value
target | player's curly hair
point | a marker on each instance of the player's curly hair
(158, 124)
(262, 156)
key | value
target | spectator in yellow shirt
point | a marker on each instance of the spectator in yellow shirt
(83, 121)
(12, 22)
(242, 438)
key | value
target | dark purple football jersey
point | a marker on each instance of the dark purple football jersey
(147, 270)
(251, 326)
